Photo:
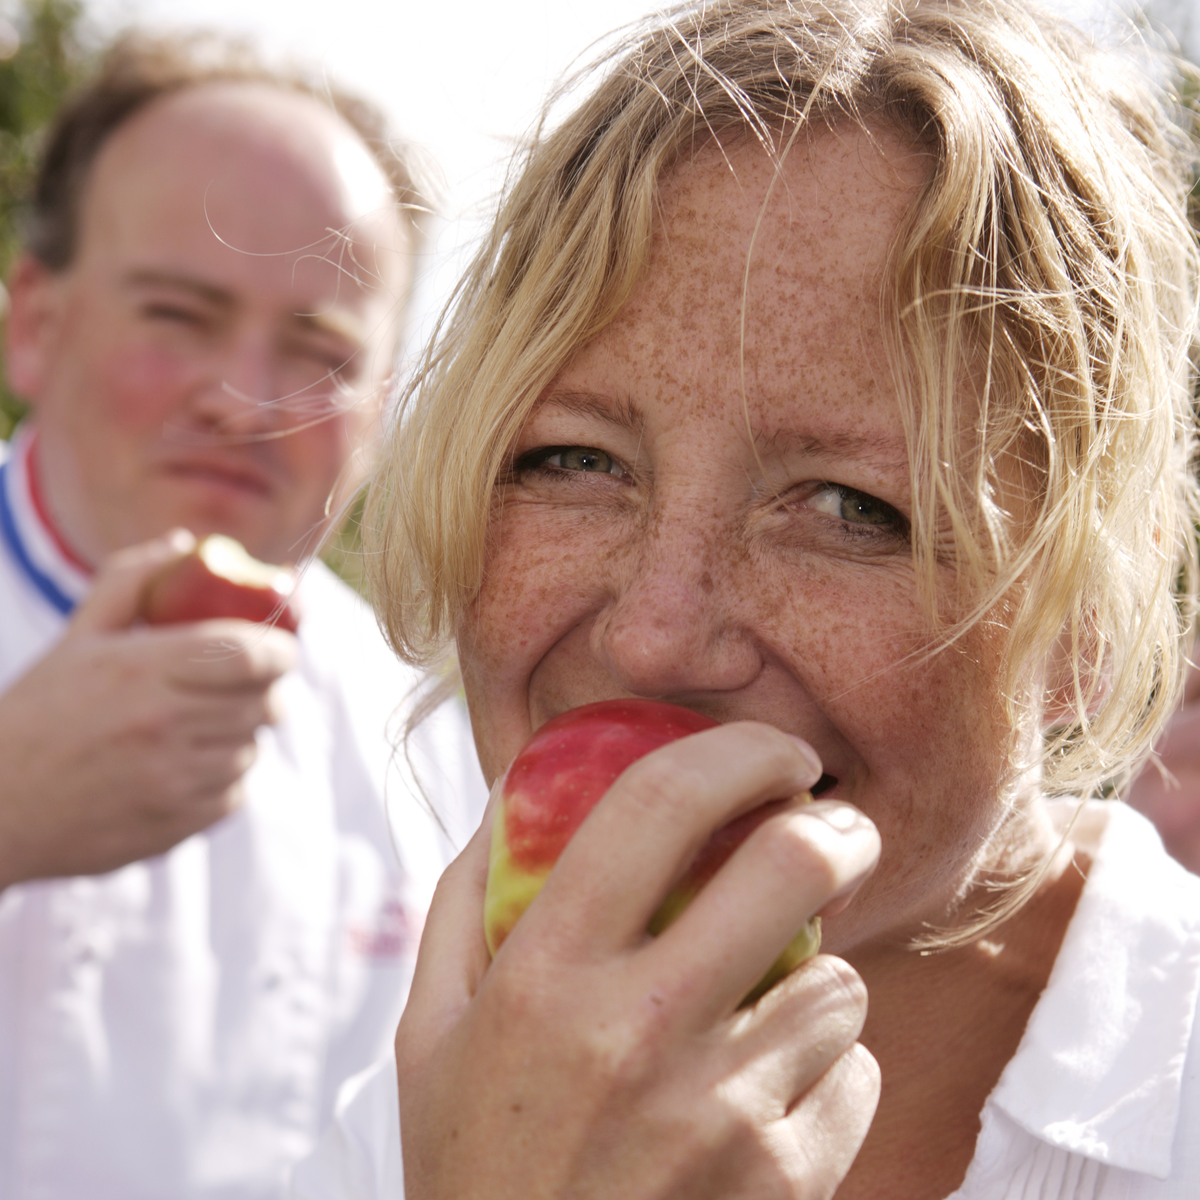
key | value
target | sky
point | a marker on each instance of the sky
(462, 81)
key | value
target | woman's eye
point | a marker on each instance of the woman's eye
(855, 508)
(572, 458)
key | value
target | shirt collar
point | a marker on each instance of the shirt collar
(36, 547)
(1100, 1067)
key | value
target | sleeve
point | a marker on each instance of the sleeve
(358, 1157)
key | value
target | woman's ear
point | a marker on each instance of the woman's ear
(30, 328)
(1064, 696)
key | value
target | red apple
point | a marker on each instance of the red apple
(552, 785)
(220, 579)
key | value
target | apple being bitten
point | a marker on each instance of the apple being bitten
(554, 782)
(220, 579)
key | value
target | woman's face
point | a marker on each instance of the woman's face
(724, 524)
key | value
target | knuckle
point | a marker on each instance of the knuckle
(233, 648)
(863, 1076)
(274, 651)
(151, 724)
(663, 786)
(840, 982)
(411, 1044)
(514, 988)
(167, 787)
(617, 1050)
(270, 709)
(789, 848)
(228, 801)
(243, 758)
(242, 651)
(625, 1053)
(829, 999)
(777, 752)
(730, 1134)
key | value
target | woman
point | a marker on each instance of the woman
(825, 373)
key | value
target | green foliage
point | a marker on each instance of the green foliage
(52, 57)
(342, 553)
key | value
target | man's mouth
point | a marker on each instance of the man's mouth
(223, 475)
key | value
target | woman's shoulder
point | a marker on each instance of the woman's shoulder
(1105, 1085)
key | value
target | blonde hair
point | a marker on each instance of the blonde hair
(1048, 265)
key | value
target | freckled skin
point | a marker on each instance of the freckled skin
(708, 573)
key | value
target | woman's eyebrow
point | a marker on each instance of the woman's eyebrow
(885, 451)
(616, 410)
(880, 449)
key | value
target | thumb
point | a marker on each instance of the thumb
(453, 956)
(116, 598)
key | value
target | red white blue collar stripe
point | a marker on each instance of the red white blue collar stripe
(33, 547)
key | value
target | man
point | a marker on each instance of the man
(204, 927)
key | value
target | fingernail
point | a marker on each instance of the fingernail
(845, 818)
(810, 755)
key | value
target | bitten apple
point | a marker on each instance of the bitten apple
(220, 579)
(552, 785)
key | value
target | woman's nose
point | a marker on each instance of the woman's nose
(675, 626)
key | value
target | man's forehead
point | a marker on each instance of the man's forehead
(249, 167)
(240, 110)
(215, 134)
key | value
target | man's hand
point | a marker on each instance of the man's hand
(124, 740)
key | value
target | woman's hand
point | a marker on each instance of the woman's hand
(590, 1060)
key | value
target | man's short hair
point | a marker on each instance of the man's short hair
(139, 69)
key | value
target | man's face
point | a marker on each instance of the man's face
(214, 355)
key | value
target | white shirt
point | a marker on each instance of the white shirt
(1102, 1099)
(179, 1028)
(1100, 1102)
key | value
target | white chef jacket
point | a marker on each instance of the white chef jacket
(1100, 1102)
(179, 1028)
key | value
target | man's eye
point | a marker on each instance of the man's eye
(330, 362)
(572, 458)
(172, 313)
(854, 507)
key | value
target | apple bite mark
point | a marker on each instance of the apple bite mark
(220, 579)
(556, 780)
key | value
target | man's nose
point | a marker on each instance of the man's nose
(241, 389)
(676, 623)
